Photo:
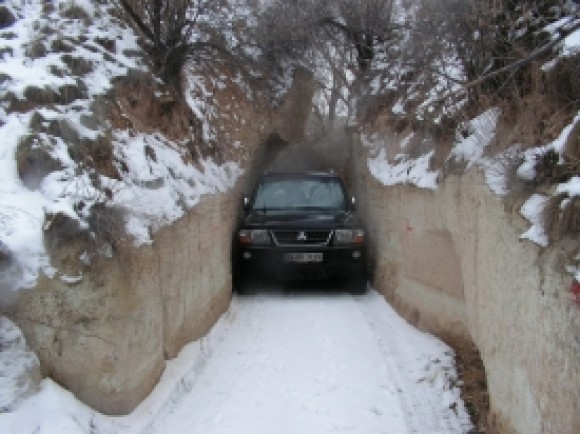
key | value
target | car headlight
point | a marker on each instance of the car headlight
(254, 236)
(349, 236)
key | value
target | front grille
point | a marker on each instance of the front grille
(302, 238)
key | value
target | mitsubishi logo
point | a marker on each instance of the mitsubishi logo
(301, 236)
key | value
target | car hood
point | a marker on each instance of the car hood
(300, 219)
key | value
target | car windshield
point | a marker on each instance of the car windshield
(302, 194)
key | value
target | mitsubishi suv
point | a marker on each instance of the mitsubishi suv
(300, 226)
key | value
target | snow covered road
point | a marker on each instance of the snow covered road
(294, 363)
(317, 363)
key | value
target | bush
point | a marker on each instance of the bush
(59, 128)
(75, 12)
(561, 216)
(59, 45)
(40, 96)
(70, 93)
(96, 153)
(60, 228)
(34, 161)
(7, 18)
(550, 171)
(36, 50)
(4, 78)
(6, 52)
(107, 223)
(108, 44)
(78, 66)
(547, 167)
(65, 241)
(563, 81)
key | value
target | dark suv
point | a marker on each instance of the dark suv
(300, 226)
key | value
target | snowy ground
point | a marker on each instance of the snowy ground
(305, 362)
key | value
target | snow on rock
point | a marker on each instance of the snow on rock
(472, 139)
(22, 210)
(570, 188)
(403, 170)
(73, 64)
(527, 170)
(158, 187)
(496, 169)
(474, 136)
(24, 71)
(19, 367)
(532, 211)
(534, 206)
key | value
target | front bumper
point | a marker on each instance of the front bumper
(268, 261)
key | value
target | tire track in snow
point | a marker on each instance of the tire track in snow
(420, 414)
(393, 371)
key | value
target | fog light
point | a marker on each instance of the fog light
(356, 254)
(246, 255)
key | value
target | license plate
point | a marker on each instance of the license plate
(303, 258)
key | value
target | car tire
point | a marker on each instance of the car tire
(240, 286)
(243, 282)
(358, 285)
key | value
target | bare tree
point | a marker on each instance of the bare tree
(496, 40)
(169, 27)
(366, 23)
(288, 28)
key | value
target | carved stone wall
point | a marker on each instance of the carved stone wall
(452, 263)
(106, 337)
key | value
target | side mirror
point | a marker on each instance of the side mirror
(353, 203)
(246, 203)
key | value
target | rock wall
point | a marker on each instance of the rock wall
(452, 263)
(106, 337)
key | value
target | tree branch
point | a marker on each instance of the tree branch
(137, 20)
(526, 60)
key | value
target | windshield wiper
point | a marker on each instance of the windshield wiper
(315, 208)
(265, 209)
